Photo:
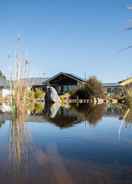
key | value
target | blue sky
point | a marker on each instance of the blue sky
(76, 36)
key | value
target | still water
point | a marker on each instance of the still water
(67, 146)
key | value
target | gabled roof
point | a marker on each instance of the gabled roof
(72, 76)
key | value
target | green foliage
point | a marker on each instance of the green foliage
(2, 76)
(38, 107)
(38, 93)
(30, 94)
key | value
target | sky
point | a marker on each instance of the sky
(83, 37)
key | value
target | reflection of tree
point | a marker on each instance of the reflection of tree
(90, 113)
(38, 107)
(64, 118)
(1, 123)
(76, 114)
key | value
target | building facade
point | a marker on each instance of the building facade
(113, 89)
(65, 82)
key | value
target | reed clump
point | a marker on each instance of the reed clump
(21, 99)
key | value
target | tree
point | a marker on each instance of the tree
(95, 87)
(90, 89)
(2, 76)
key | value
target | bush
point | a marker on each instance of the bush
(95, 87)
(92, 88)
(39, 93)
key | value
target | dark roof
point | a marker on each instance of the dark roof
(4, 83)
(74, 76)
(111, 85)
(68, 75)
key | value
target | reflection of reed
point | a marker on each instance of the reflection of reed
(17, 139)
(19, 147)
(56, 165)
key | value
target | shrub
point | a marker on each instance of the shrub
(39, 93)
(91, 88)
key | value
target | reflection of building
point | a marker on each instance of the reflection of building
(113, 111)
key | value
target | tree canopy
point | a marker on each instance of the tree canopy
(95, 87)
(91, 88)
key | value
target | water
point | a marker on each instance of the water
(76, 146)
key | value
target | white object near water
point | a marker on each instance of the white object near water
(6, 92)
(5, 108)
(54, 95)
(54, 109)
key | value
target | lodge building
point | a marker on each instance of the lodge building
(65, 82)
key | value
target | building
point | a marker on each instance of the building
(113, 89)
(64, 82)
(4, 88)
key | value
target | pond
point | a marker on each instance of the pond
(67, 146)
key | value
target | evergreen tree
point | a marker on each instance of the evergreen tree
(2, 76)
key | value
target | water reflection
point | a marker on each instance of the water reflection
(54, 157)
(92, 114)
(67, 117)
(20, 147)
(64, 117)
